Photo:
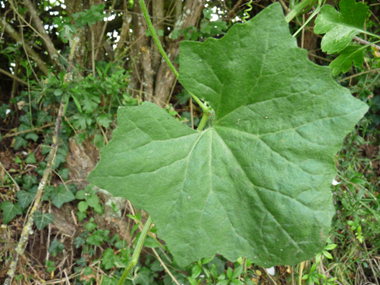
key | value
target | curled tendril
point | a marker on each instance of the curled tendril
(246, 17)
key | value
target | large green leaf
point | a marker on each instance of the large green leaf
(256, 182)
(340, 28)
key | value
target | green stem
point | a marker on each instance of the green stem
(203, 121)
(136, 253)
(155, 38)
(164, 55)
(298, 8)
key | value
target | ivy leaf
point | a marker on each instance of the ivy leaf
(20, 141)
(10, 211)
(61, 195)
(351, 54)
(32, 135)
(256, 182)
(31, 158)
(42, 118)
(26, 197)
(28, 181)
(42, 220)
(340, 28)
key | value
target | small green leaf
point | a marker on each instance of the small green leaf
(79, 241)
(42, 220)
(25, 119)
(61, 195)
(32, 135)
(10, 211)
(196, 270)
(81, 261)
(88, 271)
(351, 54)
(59, 158)
(76, 101)
(207, 260)
(29, 181)
(56, 247)
(340, 28)
(58, 92)
(50, 266)
(42, 118)
(89, 104)
(31, 158)
(109, 281)
(229, 273)
(82, 206)
(80, 195)
(327, 254)
(25, 198)
(81, 216)
(143, 276)
(90, 226)
(121, 244)
(183, 97)
(237, 272)
(95, 239)
(330, 246)
(20, 141)
(151, 242)
(92, 200)
(104, 120)
(64, 173)
(99, 209)
(108, 260)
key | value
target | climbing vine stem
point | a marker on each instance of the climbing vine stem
(205, 108)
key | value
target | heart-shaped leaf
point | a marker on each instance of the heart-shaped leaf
(10, 211)
(42, 220)
(256, 182)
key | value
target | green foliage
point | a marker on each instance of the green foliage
(207, 29)
(56, 247)
(42, 220)
(50, 266)
(26, 197)
(340, 27)
(59, 195)
(209, 178)
(351, 54)
(90, 17)
(90, 199)
(10, 211)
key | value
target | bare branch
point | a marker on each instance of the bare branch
(40, 28)
(13, 76)
(9, 30)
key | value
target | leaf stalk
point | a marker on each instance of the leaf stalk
(164, 55)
